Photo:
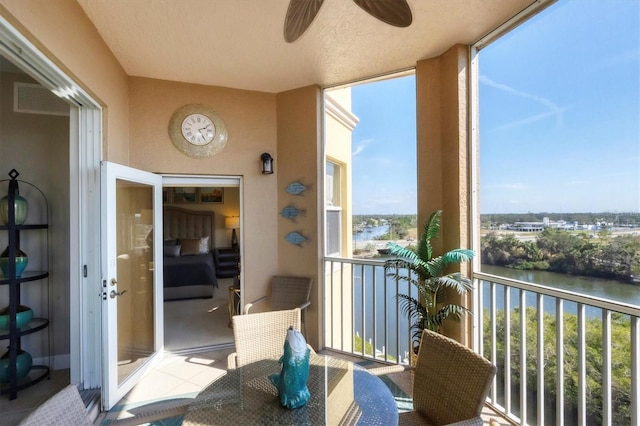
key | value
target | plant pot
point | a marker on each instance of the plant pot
(24, 362)
(24, 314)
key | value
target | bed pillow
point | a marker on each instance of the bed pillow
(172, 251)
(194, 246)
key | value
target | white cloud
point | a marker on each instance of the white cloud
(513, 186)
(552, 108)
(361, 146)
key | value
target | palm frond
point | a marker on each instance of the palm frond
(432, 227)
(457, 256)
(429, 232)
(456, 281)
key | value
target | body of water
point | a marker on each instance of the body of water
(370, 233)
(613, 290)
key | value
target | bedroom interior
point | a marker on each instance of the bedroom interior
(200, 267)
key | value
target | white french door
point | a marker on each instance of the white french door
(132, 334)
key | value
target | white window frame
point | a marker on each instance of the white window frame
(336, 205)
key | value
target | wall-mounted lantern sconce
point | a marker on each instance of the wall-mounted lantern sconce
(267, 163)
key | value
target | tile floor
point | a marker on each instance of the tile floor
(176, 379)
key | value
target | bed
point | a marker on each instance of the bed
(189, 269)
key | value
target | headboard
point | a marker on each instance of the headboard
(182, 223)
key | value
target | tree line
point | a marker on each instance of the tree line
(620, 361)
(617, 219)
(560, 251)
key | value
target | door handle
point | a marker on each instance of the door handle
(114, 293)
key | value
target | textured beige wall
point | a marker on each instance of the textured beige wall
(250, 119)
(337, 145)
(443, 149)
(62, 31)
(297, 160)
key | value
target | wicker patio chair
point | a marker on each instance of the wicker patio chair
(287, 293)
(63, 408)
(261, 336)
(450, 385)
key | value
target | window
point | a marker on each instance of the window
(559, 119)
(334, 210)
(371, 176)
(559, 205)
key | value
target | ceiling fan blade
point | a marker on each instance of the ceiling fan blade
(299, 16)
(393, 12)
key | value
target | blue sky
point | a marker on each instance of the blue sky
(559, 119)
(384, 147)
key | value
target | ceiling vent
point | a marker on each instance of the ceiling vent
(37, 99)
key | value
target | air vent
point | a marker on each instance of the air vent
(37, 99)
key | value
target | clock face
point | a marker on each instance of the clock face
(198, 129)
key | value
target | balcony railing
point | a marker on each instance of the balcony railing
(361, 311)
(562, 357)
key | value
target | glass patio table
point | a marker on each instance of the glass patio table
(341, 393)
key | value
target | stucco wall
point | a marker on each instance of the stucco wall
(339, 123)
(250, 119)
(297, 160)
(443, 150)
(62, 31)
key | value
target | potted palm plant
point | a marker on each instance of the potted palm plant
(418, 267)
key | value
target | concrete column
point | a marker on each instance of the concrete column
(442, 86)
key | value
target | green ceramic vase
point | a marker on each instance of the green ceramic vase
(24, 314)
(24, 362)
(20, 207)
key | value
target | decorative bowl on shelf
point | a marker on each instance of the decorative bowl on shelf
(21, 262)
(24, 362)
(24, 314)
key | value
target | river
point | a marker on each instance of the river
(370, 233)
(599, 287)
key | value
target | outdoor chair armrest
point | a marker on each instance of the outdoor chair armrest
(249, 305)
(262, 299)
(387, 369)
(232, 361)
(476, 421)
(304, 305)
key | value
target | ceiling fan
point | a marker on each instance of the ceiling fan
(301, 13)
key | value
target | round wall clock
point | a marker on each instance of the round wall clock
(197, 131)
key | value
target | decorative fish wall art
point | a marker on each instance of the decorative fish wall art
(296, 188)
(291, 212)
(296, 238)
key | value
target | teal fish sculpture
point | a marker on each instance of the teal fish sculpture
(291, 382)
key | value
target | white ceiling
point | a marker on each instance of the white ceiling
(240, 43)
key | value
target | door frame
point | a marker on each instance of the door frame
(85, 154)
(216, 180)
